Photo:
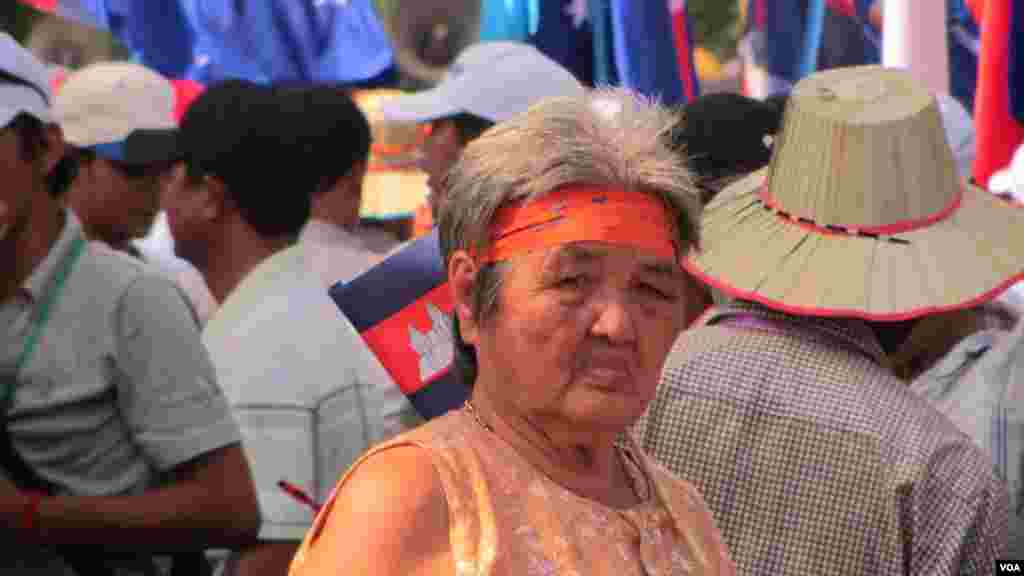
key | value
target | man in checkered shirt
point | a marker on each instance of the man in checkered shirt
(782, 407)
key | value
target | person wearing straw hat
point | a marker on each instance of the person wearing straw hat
(782, 406)
(488, 83)
(116, 442)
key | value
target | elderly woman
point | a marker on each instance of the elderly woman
(561, 233)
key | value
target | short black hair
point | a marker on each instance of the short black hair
(469, 127)
(31, 134)
(723, 134)
(241, 133)
(334, 132)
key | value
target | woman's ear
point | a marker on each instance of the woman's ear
(462, 271)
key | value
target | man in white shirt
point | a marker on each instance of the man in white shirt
(308, 395)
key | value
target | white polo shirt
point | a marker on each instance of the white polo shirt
(308, 395)
(335, 254)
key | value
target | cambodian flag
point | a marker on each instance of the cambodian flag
(999, 102)
(402, 308)
(682, 32)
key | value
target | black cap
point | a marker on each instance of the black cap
(723, 134)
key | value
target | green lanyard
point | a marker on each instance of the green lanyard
(43, 316)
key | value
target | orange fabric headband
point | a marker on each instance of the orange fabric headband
(583, 214)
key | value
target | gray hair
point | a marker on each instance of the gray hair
(606, 138)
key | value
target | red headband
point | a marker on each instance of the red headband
(582, 214)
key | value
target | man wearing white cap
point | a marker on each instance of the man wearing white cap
(784, 407)
(117, 441)
(489, 82)
(118, 118)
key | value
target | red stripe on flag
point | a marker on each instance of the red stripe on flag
(844, 7)
(392, 343)
(998, 132)
(684, 49)
(760, 13)
(185, 91)
(41, 5)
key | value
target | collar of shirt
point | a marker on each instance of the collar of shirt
(846, 332)
(45, 273)
(274, 274)
(963, 354)
(324, 232)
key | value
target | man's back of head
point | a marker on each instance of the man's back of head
(336, 138)
(239, 133)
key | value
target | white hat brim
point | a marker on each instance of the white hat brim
(748, 251)
(16, 100)
(420, 107)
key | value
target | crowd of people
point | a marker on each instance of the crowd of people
(739, 337)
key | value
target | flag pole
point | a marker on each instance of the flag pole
(916, 38)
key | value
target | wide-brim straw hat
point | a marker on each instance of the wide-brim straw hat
(394, 185)
(861, 212)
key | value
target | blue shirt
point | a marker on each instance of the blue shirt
(980, 386)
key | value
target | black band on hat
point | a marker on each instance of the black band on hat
(8, 78)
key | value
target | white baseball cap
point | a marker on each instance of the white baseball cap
(120, 110)
(492, 80)
(24, 83)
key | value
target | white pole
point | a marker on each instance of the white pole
(914, 38)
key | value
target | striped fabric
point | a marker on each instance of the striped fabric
(814, 459)
(980, 386)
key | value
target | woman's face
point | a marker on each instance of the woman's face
(581, 332)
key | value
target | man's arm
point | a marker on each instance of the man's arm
(169, 401)
(263, 559)
(210, 503)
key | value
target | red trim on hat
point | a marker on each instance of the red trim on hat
(988, 296)
(185, 93)
(884, 230)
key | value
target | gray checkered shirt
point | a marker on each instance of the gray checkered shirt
(814, 459)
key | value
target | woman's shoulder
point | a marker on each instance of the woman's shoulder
(388, 515)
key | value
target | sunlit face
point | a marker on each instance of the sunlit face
(20, 179)
(119, 201)
(581, 332)
(186, 205)
(441, 151)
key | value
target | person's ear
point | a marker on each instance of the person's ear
(462, 273)
(215, 198)
(53, 147)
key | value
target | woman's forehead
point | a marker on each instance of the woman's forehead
(601, 253)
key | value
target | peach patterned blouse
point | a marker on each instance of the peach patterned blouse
(508, 518)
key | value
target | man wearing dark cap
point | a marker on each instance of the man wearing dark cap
(725, 136)
(308, 395)
(116, 439)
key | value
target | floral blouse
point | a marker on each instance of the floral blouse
(508, 518)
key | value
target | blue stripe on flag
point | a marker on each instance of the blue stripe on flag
(440, 396)
(645, 51)
(392, 285)
(1016, 62)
